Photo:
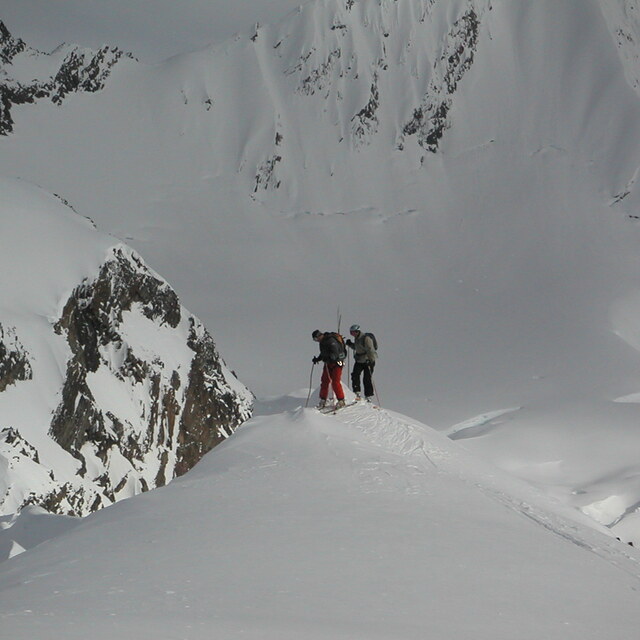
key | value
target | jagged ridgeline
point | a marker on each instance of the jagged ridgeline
(117, 392)
(69, 69)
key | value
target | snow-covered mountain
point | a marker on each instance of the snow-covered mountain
(108, 386)
(172, 29)
(458, 176)
(28, 75)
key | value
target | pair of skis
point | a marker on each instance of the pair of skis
(333, 409)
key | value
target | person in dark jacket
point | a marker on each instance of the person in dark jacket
(365, 361)
(332, 354)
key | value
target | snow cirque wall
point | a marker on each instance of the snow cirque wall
(108, 386)
(334, 84)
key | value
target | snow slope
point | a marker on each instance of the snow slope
(152, 31)
(494, 265)
(363, 525)
(278, 175)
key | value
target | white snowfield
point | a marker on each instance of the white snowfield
(363, 525)
(279, 174)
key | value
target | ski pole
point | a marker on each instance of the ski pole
(306, 404)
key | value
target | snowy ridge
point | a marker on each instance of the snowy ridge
(418, 445)
(290, 169)
(28, 75)
(328, 526)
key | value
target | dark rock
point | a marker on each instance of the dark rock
(80, 71)
(183, 413)
(14, 361)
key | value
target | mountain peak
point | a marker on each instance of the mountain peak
(126, 388)
(31, 76)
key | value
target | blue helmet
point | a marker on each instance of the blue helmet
(354, 328)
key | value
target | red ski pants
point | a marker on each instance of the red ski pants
(332, 373)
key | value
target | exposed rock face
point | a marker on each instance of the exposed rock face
(78, 70)
(145, 395)
(9, 46)
(431, 119)
(14, 362)
(359, 58)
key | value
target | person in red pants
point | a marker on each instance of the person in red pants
(332, 353)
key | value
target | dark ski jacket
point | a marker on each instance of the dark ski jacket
(330, 349)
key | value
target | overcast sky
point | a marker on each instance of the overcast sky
(151, 29)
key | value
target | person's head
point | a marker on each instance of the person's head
(317, 335)
(354, 330)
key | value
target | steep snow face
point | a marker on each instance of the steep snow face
(171, 30)
(623, 19)
(108, 386)
(348, 88)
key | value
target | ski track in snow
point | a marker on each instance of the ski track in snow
(397, 434)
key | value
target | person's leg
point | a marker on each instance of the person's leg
(368, 382)
(336, 381)
(324, 385)
(355, 378)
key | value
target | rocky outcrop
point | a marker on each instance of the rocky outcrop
(79, 70)
(14, 360)
(365, 122)
(431, 119)
(9, 46)
(145, 394)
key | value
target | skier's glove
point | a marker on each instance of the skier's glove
(316, 359)
(349, 343)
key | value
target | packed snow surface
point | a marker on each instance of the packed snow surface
(365, 524)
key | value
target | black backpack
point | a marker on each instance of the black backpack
(342, 355)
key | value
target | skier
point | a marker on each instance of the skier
(364, 347)
(332, 353)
